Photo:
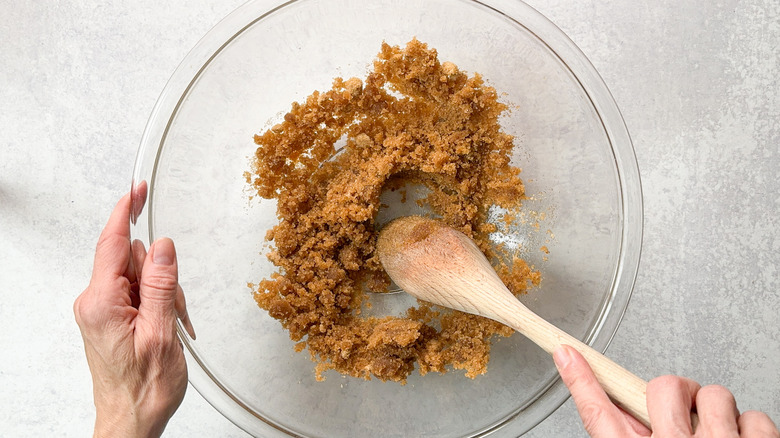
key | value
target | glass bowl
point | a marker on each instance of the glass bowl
(578, 164)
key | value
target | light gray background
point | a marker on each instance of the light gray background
(697, 82)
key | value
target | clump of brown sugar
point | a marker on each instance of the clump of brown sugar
(413, 119)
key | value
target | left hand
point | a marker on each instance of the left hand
(128, 325)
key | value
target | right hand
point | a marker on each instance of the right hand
(670, 400)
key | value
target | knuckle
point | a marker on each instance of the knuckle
(576, 379)
(159, 343)
(715, 392)
(665, 381)
(159, 280)
(77, 309)
(669, 383)
(759, 422)
(751, 415)
(84, 312)
(592, 417)
(110, 243)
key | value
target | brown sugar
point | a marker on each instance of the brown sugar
(413, 119)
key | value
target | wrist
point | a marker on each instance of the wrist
(126, 423)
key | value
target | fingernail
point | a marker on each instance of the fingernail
(562, 357)
(163, 252)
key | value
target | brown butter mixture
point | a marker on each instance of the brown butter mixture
(414, 120)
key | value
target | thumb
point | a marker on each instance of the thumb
(159, 282)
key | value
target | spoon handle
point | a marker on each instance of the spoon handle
(624, 388)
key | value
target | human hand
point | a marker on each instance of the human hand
(139, 375)
(670, 400)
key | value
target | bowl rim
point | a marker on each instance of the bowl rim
(558, 43)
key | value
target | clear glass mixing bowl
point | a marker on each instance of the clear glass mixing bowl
(571, 142)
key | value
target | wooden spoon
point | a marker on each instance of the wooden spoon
(443, 266)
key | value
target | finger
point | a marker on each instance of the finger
(755, 424)
(159, 282)
(139, 193)
(181, 312)
(134, 271)
(138, 199)
(113, 249)
(669, 403)
(717, 412)
(600, 416)
(138, 254)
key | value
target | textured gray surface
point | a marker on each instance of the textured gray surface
(698, 86)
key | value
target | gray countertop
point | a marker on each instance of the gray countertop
(697, 83)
